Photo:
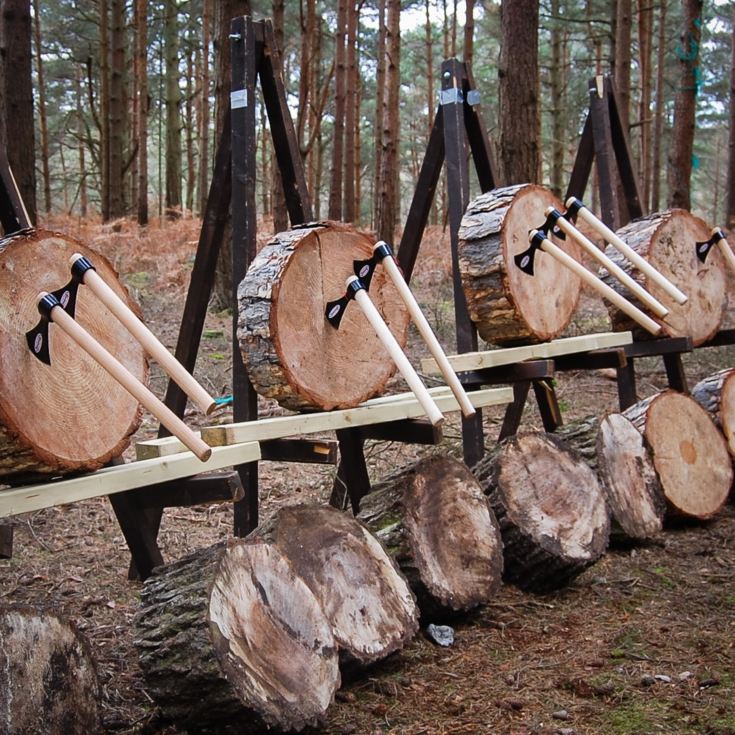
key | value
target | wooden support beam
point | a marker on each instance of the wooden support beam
(211, 487)
(409, 431)
(6, 540)
(517, 372)
(308, 451)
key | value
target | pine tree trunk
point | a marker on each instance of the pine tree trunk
(658, 119)
(16, 98)
(141, 51)
(278, 198)
(380, 93)
(551, 509)
(685, 101)
(469, 31)
(118, 121)
(645, 38)
(557, 104)
(232, 640)
(436, 523)
(622, 36)
(42, 119)
(716, 394)
(518, 101)
(189, 126)
(363, 594)
(338, 136)
(173, 111)
(49, 677)
(689, 453)
(730, 216)
(348, 208)
(204, 102)
(82, 157)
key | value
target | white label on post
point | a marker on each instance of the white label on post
(238, 99)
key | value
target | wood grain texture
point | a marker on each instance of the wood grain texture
(232, 640)
(70, 415)
(506, 304)
(292, 354)
(716, 394)
(435, 521)
(667, 241)
(689, 453)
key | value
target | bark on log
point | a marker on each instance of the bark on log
(667, 241)
(716, 394)
(435, 521)
(689, 453)
(70, 415)
(365, 597)
(232, 640)
(506, 304)
(550, 507)
(48, 678)
(292, 354)
(614, 448)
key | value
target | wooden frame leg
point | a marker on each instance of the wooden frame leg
(548, 405)
(352, 479)
(6, 540)
(626, 384)
(675, 372)
(514, 411)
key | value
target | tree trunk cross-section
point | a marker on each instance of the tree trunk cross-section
(48, 678)
(550, 507)
(291, 352)
(365, 597)
(70, 415)
(689, 453)
(667, 240)
(232, 640)
(436, 522)
(716, 393)
(506, 304)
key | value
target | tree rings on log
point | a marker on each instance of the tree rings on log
(48, 678)
(292, 354)
(232, 640)
(551, 509)
(365, 597)
(436, 522)
(689, 453)
(716, 394)
(667, 240)
(506, 304)
(70, 415)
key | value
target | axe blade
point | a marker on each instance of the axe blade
(335, 310)
(37, 339)
(364, 270)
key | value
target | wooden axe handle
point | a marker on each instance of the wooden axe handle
(725, 249)
(128, 381)
(147, 339)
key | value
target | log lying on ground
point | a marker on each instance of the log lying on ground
(232, 640)
(436, 522)
(716, 394)
(48, 678)
(506, 304)
(550, 507)
(364, 596)
(689, 453)
(70, 415)
(292, 354)
(667, 240)
(615, 449)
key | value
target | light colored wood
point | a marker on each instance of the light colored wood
(110, 480)
(147, 339)
(397, 354)
(428, 335)
(725, 249)
(128, 381)
(653, 304)
(641, 263)
(602, 288)
(541, 351)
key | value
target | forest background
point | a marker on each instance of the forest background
(112, 109)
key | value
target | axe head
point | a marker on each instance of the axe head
(37, 338)
(703, 248)
(336, 309)
(525, 260)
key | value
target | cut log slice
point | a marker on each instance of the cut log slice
(364, 595)
(689, 453)
(550, 507)
(716, 394)
(232, 640)
(292, 354)
(506, 304)
(436, 522)
(629, 478)
(667, 240)
(48, 677)
(70, 415)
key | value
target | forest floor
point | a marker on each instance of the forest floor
(642, 643)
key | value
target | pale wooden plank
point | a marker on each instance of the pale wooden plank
(117, 479)
(542, 351)
(359, 416)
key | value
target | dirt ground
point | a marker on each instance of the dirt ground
(642, 643)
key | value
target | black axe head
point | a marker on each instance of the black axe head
(336, 309)
(573, 207)
(553, 216)
(37, 338)
(703, 248)
(525, 260)
(364, 269)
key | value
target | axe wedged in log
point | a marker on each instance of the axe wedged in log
(382, 253)
(718, 238)
(576, 208)
(557, 219)
(539, 241)
(51, 310)
(335, 311)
